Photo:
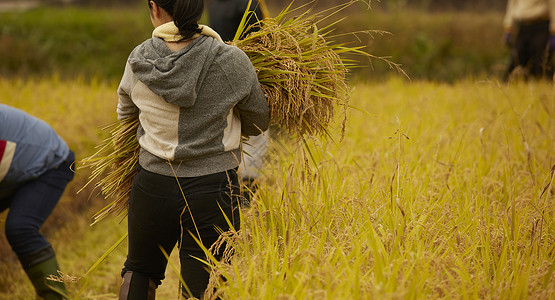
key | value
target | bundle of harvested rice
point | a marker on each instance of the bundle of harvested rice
(300, 68)
(302, 73)
(114, 165)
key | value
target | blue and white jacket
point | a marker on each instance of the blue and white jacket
(28, 148)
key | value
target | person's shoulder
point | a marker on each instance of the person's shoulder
(140, 48)
(24, 121)
(12, 111)
(218, 47)
(142, 44)
(232, 51)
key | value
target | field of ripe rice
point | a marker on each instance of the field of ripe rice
(435, 191)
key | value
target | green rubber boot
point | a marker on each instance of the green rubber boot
(38, 273)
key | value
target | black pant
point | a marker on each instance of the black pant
(530, 49)
(30, 205)
(161, 212)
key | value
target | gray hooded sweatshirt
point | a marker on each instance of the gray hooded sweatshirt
(193, 105)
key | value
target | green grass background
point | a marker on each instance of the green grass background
(71, 41)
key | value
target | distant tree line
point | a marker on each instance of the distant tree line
(431, 5)
(451, 4)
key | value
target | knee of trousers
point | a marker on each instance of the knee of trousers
(24, 238)
(137, 286)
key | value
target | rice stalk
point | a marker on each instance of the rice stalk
(114, 166)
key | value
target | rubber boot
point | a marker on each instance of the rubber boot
(38, 266)
(136, 286)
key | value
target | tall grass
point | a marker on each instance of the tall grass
(437, 191)
(76, 109)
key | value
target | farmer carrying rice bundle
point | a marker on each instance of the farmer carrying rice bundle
(194, 97)
(301, 73)
(185, 99)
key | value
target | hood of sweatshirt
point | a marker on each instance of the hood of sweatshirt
(175, 76)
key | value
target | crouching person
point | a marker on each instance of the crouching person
(34, 172)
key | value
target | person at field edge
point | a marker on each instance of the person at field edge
(34, 172)
(530, 33)
(195, 96)
(225, 17)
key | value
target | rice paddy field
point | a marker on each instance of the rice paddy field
(435, 191)
(439, 187)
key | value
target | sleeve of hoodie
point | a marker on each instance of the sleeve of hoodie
(126, 108)
(253, 109)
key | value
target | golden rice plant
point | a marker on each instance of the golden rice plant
(301, 70)
(114, 166)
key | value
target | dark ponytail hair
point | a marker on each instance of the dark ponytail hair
(185, 14)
